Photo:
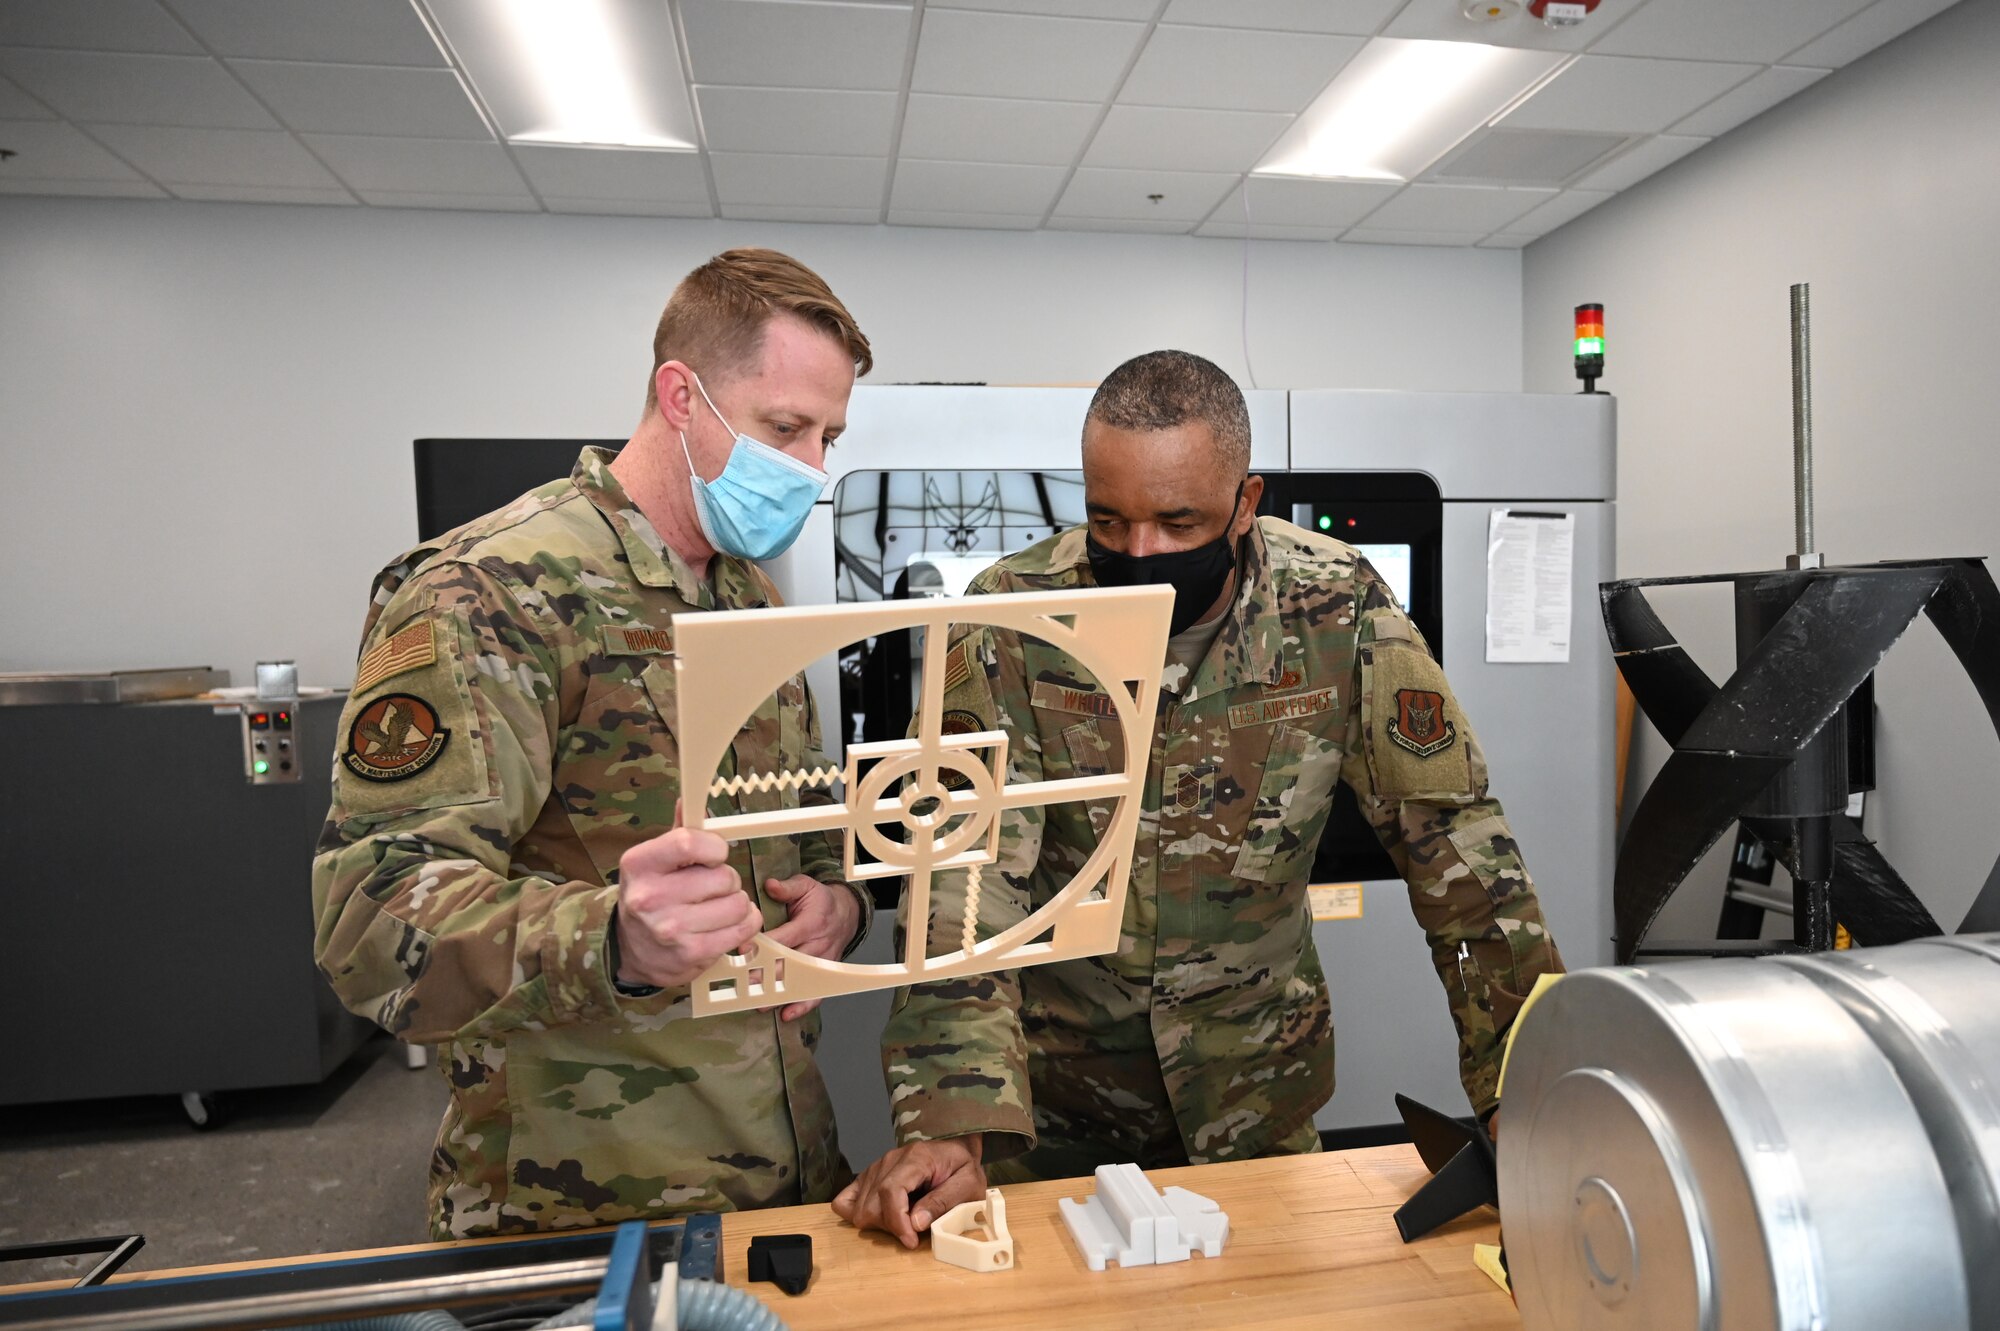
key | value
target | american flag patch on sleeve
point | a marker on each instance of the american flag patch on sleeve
(406, 650)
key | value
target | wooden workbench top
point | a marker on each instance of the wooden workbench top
(1311, 1244)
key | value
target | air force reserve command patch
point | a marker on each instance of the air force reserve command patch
(1419, 724)
(394, 738)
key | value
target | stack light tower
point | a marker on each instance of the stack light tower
(1589, 345)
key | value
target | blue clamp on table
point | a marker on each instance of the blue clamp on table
(625, 1299)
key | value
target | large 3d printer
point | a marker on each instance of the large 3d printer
(932, 483)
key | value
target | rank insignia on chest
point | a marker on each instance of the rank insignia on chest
(394, 738)
(1419, 723)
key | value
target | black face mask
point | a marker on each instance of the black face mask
(1197, 576)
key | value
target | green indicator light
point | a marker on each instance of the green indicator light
(1325, 522)
(1590, 346)
(260, 767)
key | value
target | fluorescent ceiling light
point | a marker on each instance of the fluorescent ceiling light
(1400, 105)
(604, 73)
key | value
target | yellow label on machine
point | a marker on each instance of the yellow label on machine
(1335, 901)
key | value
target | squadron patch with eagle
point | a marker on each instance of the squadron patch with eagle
(394, 738)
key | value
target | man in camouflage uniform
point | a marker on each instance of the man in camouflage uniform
(502, 873)
(1207, 1035)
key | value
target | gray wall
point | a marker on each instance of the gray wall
(207, 409)
(1881, 186)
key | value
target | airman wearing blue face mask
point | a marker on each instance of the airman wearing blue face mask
(757, 506)
(503, 874)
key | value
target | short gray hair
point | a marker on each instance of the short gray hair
(1162, 389)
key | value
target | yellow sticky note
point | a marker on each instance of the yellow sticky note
(1335, 901)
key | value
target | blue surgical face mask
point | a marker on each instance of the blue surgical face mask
(756, 508)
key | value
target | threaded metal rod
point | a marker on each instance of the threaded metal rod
(1802, 447)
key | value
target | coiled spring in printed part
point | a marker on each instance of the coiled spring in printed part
(760, 782)
(971, 907)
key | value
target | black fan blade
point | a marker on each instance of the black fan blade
(1690, 804)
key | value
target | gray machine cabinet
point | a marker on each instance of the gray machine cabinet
(1548, 730)
(155, 907)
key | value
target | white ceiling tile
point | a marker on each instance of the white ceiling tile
(1765, 30)
(1235, 70)
(1640, 161)
(556, 203)
(779, 44)
(94, 25)
(1098, 191)
(1443, 22)
(480, 203)
(216, 156)
(356, 32)
(1141, 10)
(1169, 138)
(103, 189)
(796, 120)
(1443, 239)
(191, 91)
(1505, 156)
(1356, 17)
(765, 212)
(1617, 94)
(52, 150)
(1881, 22)
(628, 174)
(1128, 226)
(1014, 55)
(1559, 211)
(1507, 242)
(264, 194)
(974, 187)
(1455, 208)
(1234, 230)
(420, 166)
(1749, 100)
(995, 129)
(365, 99)
(1283, 201)
(971, 221)
(17, 105)
(785, 180)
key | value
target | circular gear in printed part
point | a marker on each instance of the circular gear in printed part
(933, 798)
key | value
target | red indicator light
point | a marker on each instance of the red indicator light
(1352, 523)
(284, 718)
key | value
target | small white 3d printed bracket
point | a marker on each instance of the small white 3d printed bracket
(930, 803)
(952, 1241)
(1132, 1223)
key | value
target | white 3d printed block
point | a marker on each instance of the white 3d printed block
(1132, 1223)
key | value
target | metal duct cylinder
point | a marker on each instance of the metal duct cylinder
(1815, 784)
(1723, 1145)
(1933, 1009)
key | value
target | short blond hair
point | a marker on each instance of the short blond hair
(715, 319)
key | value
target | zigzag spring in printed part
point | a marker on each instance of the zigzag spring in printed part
(763, 781)
(971, 935)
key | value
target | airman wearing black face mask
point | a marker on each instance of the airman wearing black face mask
(1207, 1034)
